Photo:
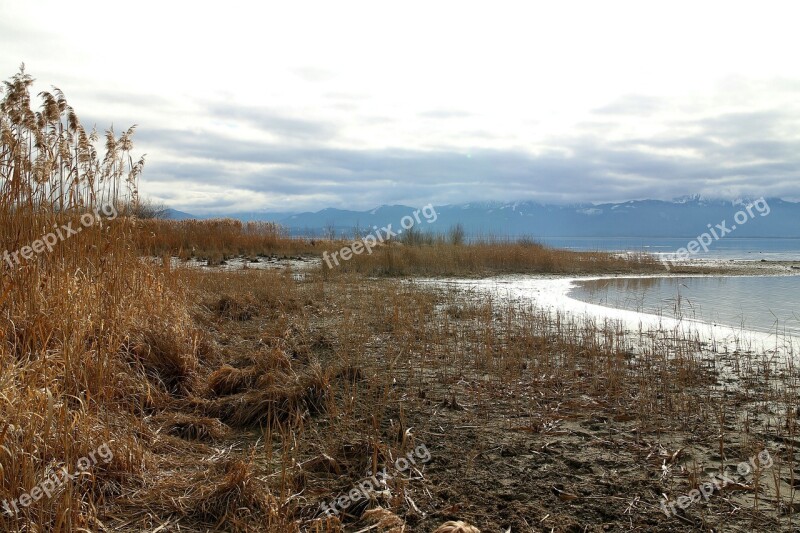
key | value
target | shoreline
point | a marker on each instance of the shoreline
(550, 293)
(736, 267)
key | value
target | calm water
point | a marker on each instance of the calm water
(727, 248)
(761, 303)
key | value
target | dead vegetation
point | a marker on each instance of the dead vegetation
(243, 401)
(218, 239)
(489, 257)
(526, 417)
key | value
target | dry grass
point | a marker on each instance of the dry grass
(457, 527)
(240, 401)
(194, 428)
(491, 257)
(215, 241)
(218, 239)
(90, 338)
(410, 365)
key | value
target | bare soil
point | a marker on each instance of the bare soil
(531, 425)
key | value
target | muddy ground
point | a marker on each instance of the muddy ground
(523, 430)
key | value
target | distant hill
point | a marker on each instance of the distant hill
(174, 214)
(685, 217)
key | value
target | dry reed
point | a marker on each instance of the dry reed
(241, 401)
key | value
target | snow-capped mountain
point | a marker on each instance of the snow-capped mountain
(683, 217)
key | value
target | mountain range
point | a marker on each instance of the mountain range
(683, 217)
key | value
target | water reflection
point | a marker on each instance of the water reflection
(761, 303)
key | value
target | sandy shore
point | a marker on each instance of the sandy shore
(736, 267)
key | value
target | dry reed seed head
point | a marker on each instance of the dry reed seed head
(385, 520)
(457, 527)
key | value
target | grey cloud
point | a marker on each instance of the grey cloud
(352, 173)
(757, 124)
(739, 153)
(274, 122)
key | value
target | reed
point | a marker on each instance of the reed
(489, 257)
(85, 328)
(241, 401)
(216, 237)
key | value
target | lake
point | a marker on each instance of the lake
(727, 248)
(760, 303)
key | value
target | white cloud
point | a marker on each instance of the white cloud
(436, 77)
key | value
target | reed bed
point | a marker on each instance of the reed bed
(217, 238)
(490, 257)
(90, 339)
(508, 398)
(243, 401)
(425, 255)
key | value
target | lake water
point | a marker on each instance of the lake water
(760, 303)
(727, 248)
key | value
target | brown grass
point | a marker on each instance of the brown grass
(217, 239)
(239, 401)
(79, 368)
(490, 257)
(194, 428)
(457, 527)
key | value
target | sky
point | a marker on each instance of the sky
(295, 106)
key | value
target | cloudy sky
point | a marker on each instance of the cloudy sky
(300, 106)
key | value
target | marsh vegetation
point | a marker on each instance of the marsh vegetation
(241, 401)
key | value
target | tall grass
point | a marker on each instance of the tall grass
(488, 256)
(396, 355)
(79, 325)
(238, 401)
(414, 253)
(202, 238)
